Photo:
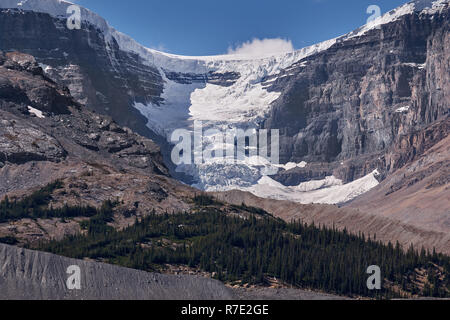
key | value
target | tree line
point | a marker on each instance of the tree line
(36, 206)
(239, 250)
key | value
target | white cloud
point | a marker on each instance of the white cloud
(263, 48)
(160, 47)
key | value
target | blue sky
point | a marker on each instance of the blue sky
(208, 27)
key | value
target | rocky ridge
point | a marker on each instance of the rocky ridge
(45, 135)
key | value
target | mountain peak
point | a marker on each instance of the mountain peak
(420, 5)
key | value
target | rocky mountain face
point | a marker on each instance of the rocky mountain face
(351, 102)
(46, 135)
(26, 92)
(96, 72)
(417, 193)
(339, 108)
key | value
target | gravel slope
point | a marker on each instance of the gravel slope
(29, 275)
(33, 275)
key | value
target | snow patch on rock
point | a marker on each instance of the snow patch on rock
(327, 191)
(36, 112)
(402, 109)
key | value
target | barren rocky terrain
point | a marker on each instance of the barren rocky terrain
(96, 159)
(418, 193)
(26, 274)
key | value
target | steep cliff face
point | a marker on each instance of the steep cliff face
(42, 122)
(418, 192)
(358, 97)
(97, 73)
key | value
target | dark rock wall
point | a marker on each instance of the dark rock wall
(65, 127)
(340, 105)
(98, 75)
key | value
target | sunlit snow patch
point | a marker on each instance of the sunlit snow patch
(36, 112)
(402, 109)
(327, 191)
(292, 165)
